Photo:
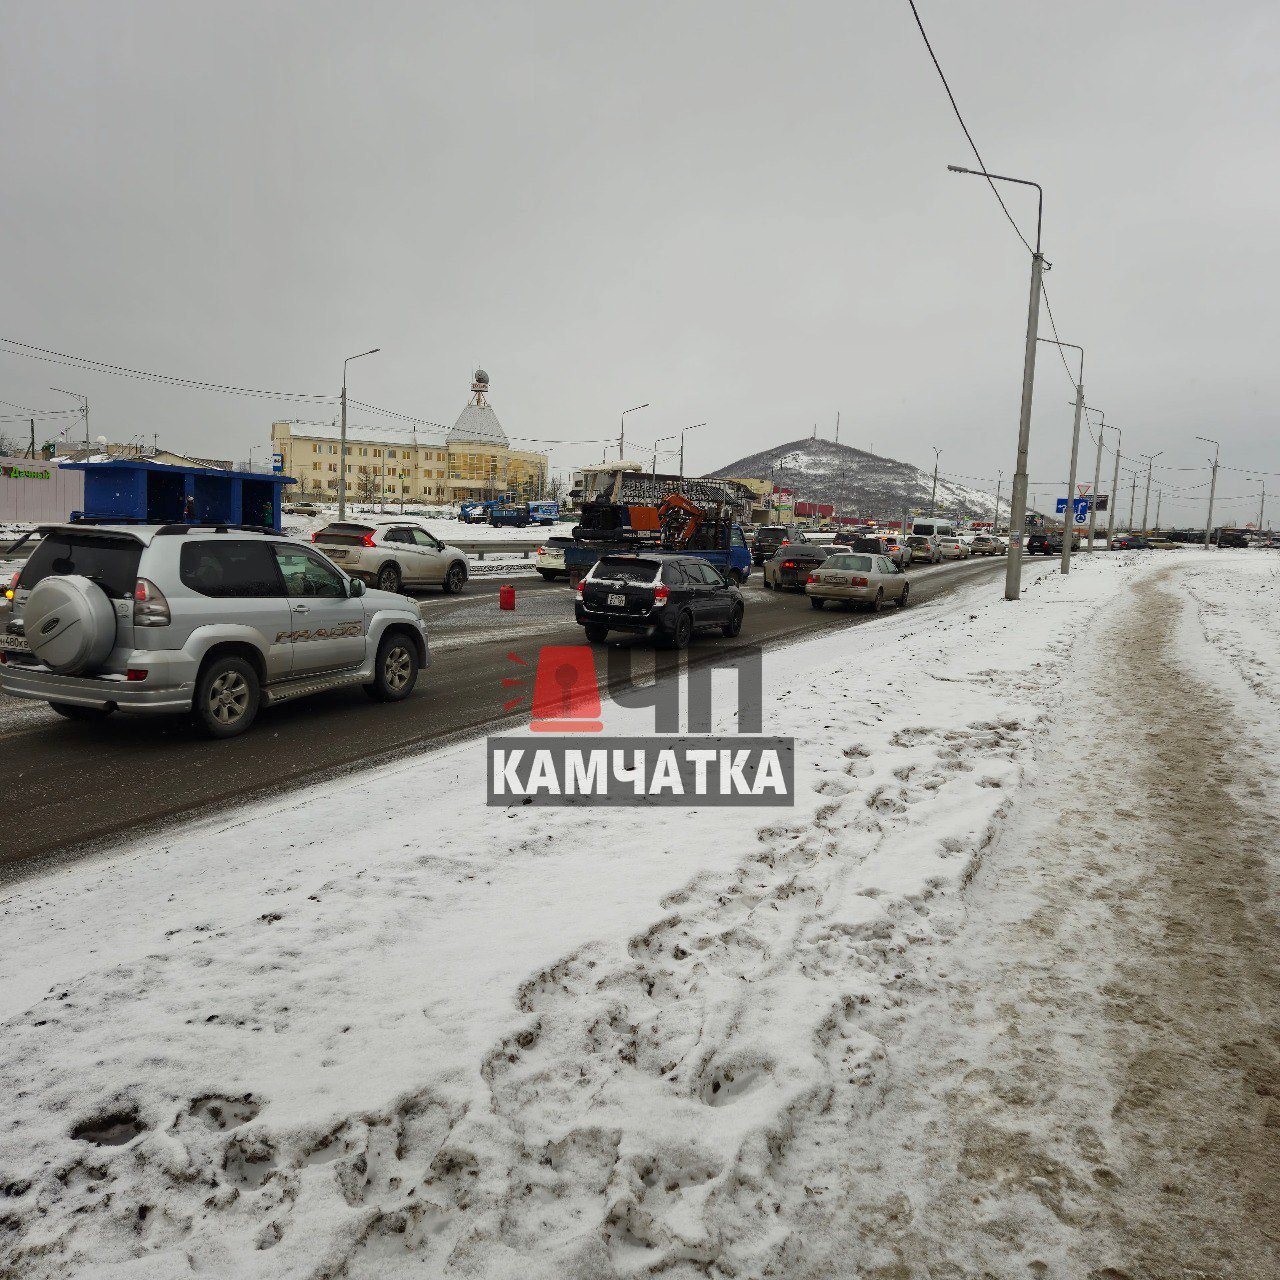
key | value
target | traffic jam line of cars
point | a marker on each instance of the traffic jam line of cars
(220, 621)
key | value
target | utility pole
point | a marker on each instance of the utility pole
(1069, 511)
(1018, 500)
(1146, 501)
(32, 453)
(837, 426)
(342, 447)
(1159, 497)
(995, 519)
(1097, 478)
(1133, 493)
(1213, 488)
(84, 408)
(933, 497)
(622, 429)
(1113, 498)
(1262, 505)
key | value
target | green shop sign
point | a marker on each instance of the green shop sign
(24, 473)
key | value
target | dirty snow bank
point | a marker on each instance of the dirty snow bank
(378, 1027)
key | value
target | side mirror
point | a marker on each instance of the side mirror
(355, 587)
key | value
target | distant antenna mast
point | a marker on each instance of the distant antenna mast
(837, 426)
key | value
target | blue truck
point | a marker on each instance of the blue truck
(545, 512)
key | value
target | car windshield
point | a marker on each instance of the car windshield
(857, 564)
(610, 570)
(110, 561)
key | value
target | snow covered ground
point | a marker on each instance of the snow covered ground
(379, 1029)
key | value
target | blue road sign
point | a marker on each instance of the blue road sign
(1079, 507)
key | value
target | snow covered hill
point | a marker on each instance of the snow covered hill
(857, 482)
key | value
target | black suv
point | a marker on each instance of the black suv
(769, 537)
(1050, 544)
(667, 597)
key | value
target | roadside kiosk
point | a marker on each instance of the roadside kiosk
(135, 491)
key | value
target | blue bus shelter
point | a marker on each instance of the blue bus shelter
(136, 491)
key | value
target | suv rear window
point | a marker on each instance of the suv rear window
(344, 535)
(244, 570)
(110, 561)
(610, 570)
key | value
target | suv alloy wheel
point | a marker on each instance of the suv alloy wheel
(227, 697)
(396, 670)
(389, 578)
(455, 579)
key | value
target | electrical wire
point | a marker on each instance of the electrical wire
(951, 97)
(12, 346)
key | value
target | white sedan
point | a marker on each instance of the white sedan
(549, 561)
(954, 549)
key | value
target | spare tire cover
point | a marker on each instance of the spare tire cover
(69, 623)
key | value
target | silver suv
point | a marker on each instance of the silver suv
(216, 621)
(391, 554)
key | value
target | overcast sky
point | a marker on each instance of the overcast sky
(738, 213)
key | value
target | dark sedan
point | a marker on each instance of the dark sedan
(788, 569)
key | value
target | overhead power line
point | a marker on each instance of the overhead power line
(32, 352)
(951, 97)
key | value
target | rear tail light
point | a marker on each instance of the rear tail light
(810, 579)
(541, 551)
(150, 608)
(860, 582)
(367, 539)
(660, 594)
(580, 586)
(786, 542)
(788, 564)
(135, 674)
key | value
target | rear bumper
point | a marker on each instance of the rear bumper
(644, 624)
(823, 591)
(92, 691)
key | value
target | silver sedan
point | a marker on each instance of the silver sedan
(870, 581)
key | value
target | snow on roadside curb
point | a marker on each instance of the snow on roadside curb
(378, 1022)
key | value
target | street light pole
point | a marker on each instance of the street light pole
(656, 443)
(1018, 500)
(84, 408)
(995, 520)
(1159, 499)
(1114, 496)
(622, 429)
(1068, 512)
(1213, 488)
(342, 447)
(1133, 493)
(933, 497)
(1097, 478)
(1146, 501)
(695, 426)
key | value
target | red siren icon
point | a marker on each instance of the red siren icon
(566, 697)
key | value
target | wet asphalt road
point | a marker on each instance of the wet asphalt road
(73, 787)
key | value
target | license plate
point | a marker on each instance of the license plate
(337, 555)
(618, 602)
(15, 644)
(834, 581)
